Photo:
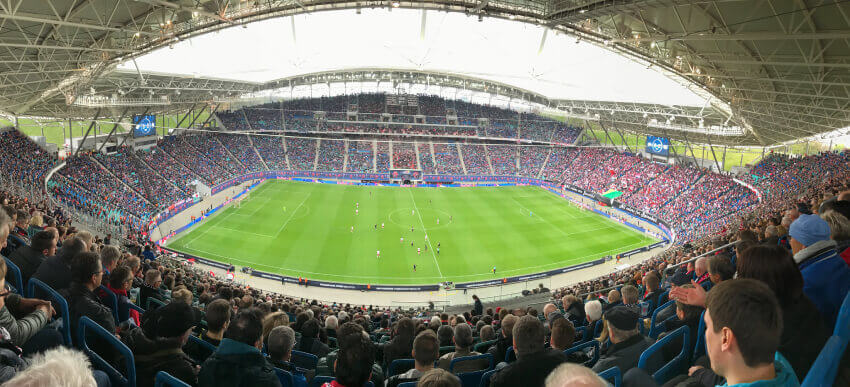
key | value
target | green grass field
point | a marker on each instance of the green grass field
(304, 229)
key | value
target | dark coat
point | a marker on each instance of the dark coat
(500, 349)
(479, 308)
(82, 302)
(28, 260)
(576, 315)
(399, 347)
(803, 335)
(146, 291)
(529, 370)
(55, 272)
(313, 346)
(626, 354)
(236, 364)
(160, 354)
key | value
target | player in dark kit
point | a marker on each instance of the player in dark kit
(414, 267)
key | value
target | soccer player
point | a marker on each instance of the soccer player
(419, 251)
(412, 212)
(426, 237)
(438, 250)
(438, 245)
(382, 226)
(438, 220)
(376, 226)
(411, 243)
(357, 205)
(401, 240)
(352, 228)
(411, 228)
(356, 212)
(494, 270)
(414, 267)
(379, 254)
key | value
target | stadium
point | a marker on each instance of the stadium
(437, 193)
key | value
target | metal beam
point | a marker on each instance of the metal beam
(91, 125)
(69, 48)
(820, 35)
(36, 19)
(114, 127)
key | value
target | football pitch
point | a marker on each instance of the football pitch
(305, 230)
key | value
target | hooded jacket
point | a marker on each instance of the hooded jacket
(826, 278)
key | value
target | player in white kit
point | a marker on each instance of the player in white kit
(379, 254)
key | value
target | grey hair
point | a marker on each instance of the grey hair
(839, 225)
(60, 366)
(572, 374)
(593, 310)
(281, 341)
(463, 336)
(331, 322)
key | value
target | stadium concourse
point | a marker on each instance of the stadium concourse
(751, 291)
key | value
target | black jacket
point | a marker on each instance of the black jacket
(145, 292)
(626, 354)
(236, 364)
(83, 302)
(28, 260)
(198, 352)
(314, 346)
(500, 349)
(576, 315)
(529, 370)
(55, 272)
(398, 348)
(479, 308)
(160, 354)
(803, 335)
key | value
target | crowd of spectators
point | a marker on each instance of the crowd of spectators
(382, 156)
(126, 166)
(426, 158)
(241, 147)
(270, 148)
(97, 186)
(531, 160)
(447, 159)
(504, 159)
(198, 161)
(331, 155)
(404, 156)
(23, 161)
(301, 153)
(360, 156)
(475, 159)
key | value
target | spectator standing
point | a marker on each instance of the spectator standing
(479, 307)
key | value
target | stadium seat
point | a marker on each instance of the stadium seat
(485, 379)
(678, 365)
(472, 379)
(825, 367)
(699, 347)
(138, 309)
(164, 379)
(446, 349)
(407, 384)
(88, 325)
(38, 289)
(581, 347)
(842, 324)
(157, 303)
(109, 299)
(307, 361)
(285, 377)
(656, 327)
(399, 366)
(484, 346)
(612, 375)
(17, 279)
(597, 328)
(510, 355)
(203, 344)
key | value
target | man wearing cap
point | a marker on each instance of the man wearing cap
(626, 342)
(826, 278)
(158, 345)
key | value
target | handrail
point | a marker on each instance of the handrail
(705, 254)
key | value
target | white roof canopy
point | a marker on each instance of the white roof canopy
(495, 49)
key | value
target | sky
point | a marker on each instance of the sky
(494, 49)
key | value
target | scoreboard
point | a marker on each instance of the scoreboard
(405, 174)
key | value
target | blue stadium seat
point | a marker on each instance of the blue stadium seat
(109, 299)
(825, 367)
(38, 289)
(407, 384)
(485, 379)
(164, 379)
(472, 379)
(612, 375)
(307, 361)
(699, 347)
(156, 302)
(88, 325)
(15, 271)
(202, 343)
(842, 324)
(678, 365)
(597, 328)
(137, 309)
(656, 327)
(399, 366)
(581, 347)
(285, 377)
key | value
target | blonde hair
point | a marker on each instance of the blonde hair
(36, 220)
(839, 225)
(183, 295)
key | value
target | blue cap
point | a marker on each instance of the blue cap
(809, 229)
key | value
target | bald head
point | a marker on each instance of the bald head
(701, 266)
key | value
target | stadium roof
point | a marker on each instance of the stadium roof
(777, 70)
